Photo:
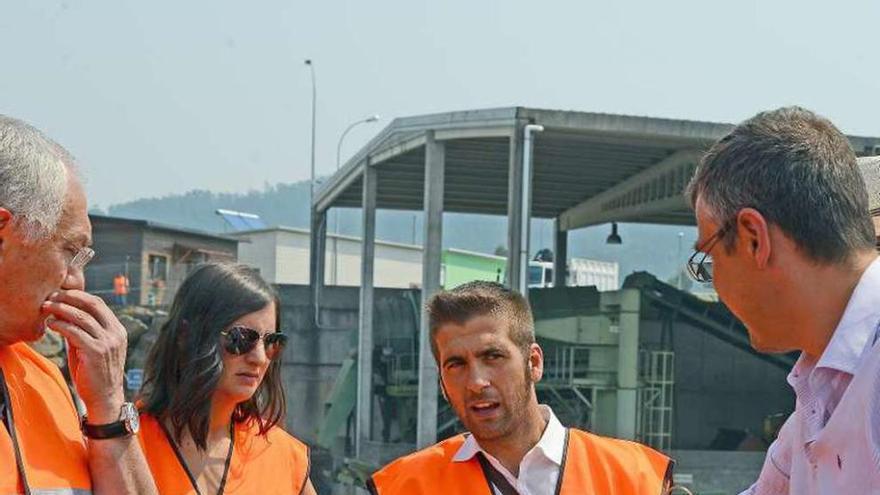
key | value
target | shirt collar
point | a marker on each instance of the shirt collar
(857, 325)
(551, 444)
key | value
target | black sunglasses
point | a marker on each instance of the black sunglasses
(240, 340)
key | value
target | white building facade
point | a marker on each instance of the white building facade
(281, 254)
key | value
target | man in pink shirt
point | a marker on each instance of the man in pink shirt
(786, 238)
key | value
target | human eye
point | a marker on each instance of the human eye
(454, 364)
(494, 355)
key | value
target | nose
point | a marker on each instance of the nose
(74, 280)
(477, 379)
(257, 355)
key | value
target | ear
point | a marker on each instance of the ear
(753, 236)
(536, 362)
(5, 219)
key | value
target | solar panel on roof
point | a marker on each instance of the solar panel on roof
(237, 220)
(254, 222)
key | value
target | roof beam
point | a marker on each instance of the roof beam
(656, 189)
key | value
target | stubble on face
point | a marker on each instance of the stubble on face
(503, 366)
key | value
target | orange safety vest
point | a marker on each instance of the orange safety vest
(120, 285)
(274, 464)
(591, 465)
(45, 442)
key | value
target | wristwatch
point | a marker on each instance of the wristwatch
(129, 424)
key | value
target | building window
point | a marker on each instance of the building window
(158, 267)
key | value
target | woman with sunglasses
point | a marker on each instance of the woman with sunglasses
(212, 398)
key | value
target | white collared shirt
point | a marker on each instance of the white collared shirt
(819, 386)
(539, 468)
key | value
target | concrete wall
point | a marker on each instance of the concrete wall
(718, 386)
(397, 265)
(313, 358)
(717, 472)
(258, 250)
(282, 256)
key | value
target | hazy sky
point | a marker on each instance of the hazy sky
(162, 97)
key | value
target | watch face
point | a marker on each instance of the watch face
(131, 418)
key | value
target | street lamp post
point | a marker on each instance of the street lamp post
(335, 273)
(372, 118)
(308, 62)
(679, 281)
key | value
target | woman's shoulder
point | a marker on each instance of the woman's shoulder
(278, 434)
(276, 437)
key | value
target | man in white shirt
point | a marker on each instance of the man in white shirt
(483, 338)
(786, 238)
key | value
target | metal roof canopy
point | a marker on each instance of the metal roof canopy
(589, 168)
(580, 168)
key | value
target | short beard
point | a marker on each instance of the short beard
(517, 411)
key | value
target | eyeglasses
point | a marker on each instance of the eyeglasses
(82, 258)
(701, 269)
(240, 340)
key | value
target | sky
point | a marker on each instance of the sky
(161, 97)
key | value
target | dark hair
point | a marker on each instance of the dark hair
(480, 298)
(799, 171)
(184, 366)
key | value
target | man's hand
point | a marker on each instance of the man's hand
(97, 345)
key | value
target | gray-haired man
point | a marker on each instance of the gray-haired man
(45, 236)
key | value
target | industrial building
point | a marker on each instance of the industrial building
(647, 362)
(281, 254)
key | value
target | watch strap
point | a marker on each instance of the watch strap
(100, 432)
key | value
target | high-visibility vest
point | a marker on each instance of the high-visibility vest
(120, 285)
(276, 463)
(591, 465)
(46, 436)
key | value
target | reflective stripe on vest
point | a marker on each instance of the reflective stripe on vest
(591, 464)
(276, 463)
(45, 433)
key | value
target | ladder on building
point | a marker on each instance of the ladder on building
(657, 369)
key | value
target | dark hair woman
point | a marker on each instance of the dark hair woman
(212, 395)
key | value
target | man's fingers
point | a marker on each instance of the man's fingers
(75, 316)
(77, 338)
(88, 303)
(72, 360)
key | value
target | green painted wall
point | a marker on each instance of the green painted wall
(461, 267)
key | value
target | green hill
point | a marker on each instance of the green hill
(645, 247)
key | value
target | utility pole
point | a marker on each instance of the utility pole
(308, 62)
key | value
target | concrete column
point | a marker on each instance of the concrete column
(317, 258)
(514, 207)
(560, 256)
(435, 168)
(628, 364)
(363, 412)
